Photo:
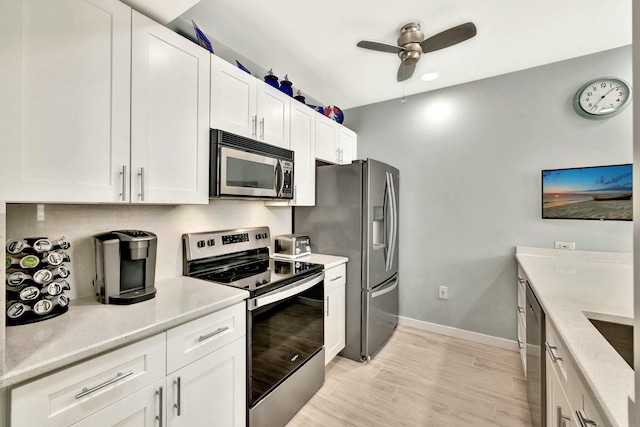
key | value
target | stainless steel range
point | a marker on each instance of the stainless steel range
(285, 322)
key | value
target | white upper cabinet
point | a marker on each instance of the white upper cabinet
(96, 125)
(169, 116)
(303, 143)
(326, 139)
(347, 145)
(246, 106)
(70, 139)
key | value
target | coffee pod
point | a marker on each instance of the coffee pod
(14, 247)
(57, 257)
(42, 307)
(26, 262)
(29, 293)
(17, 309)
(18, 278)
(55, 288)
(59, 300)
(44, 276)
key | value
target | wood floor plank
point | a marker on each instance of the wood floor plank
(422, 379)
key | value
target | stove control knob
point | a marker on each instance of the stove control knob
(264, 282)
(201, 243)
(307, 248)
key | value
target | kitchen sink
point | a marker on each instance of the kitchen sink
(619, 335)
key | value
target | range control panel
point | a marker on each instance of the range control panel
(216, 243)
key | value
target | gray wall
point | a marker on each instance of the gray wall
(470, 158)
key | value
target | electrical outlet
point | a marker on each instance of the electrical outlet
(565, 245)
(443, 292)
(39, 212)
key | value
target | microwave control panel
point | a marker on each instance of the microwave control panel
(287, 169)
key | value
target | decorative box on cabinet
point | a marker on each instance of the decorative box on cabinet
(243, 105)
(334, 311)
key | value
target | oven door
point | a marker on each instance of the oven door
(286, 328)
(249, 174)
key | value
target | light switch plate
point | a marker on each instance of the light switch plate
(564, 245)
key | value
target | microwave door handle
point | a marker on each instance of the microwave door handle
(279, 178)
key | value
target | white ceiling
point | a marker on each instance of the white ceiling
(315, 42)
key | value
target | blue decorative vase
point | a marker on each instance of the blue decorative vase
(272, 79)
(285, 86)
(299, 97)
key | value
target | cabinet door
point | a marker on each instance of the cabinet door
(347, 144)
(169, 116)
(142, 409)
(303, 143)
(326, 139)
(233, 99)
(273, 116)
(67, 126)
(334, 311)
(559, 412)
(210, 391)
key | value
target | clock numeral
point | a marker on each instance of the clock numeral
(589, 93)
(587, 99)
(595, 88)
(620, 93)
(603, 85)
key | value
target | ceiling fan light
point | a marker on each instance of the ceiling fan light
(429, 76)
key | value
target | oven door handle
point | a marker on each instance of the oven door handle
(285, 292)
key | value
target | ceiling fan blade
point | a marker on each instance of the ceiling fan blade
(449, 37)
(380, 46)
(405, 71)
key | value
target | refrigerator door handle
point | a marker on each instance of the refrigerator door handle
(394, 220)
(386, 290)
(388, 216)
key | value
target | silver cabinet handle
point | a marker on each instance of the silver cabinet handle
(562, 419)
(141, 193)
(123, 177)
(336, 278)
(327, 305)
(337, 155)
(214, 333)
(520, 345)
(520, 310)
(262, 128)
(295, 194)
(254, 125)
(551, 350)
(178, 404)
(521, 280)
(584, 421)
(85, 391)
(159, 417)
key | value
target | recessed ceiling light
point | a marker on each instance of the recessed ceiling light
(429, 76)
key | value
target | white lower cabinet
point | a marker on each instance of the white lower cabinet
(522, 318)
(144, 408)
(334, 311)
(205, 385)
(210, 391)
(566, 389)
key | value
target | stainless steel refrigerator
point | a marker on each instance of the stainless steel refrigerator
(356, 215)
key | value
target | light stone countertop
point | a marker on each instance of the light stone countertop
(90, 328)
(569, 284)
(329, 261)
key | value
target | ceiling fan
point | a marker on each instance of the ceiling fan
(412, 44)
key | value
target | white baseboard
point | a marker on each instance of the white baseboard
(460, 333)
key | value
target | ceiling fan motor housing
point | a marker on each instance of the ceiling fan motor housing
(410, 39)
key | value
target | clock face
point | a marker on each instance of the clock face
(601, 98)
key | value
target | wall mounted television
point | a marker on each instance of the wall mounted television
(597, 192)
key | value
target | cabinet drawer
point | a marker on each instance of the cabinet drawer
(562, 364)
(200, 337)
(69, 395)
(334, 277)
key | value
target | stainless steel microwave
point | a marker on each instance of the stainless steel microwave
(244, 167)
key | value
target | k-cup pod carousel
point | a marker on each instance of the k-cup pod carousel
(37, 269)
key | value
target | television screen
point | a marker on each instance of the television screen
(599, 192)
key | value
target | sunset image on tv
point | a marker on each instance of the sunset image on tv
(601, 192)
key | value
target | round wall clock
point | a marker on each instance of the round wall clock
(602, 98)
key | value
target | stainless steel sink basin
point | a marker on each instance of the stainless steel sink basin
(620, 337)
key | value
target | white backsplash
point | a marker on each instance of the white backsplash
(78, 223)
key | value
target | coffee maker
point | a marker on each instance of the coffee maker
(125, 266)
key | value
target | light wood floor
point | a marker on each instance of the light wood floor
(422, 379)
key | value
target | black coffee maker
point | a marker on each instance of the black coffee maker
(125, 266)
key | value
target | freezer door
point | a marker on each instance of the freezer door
(379, 316)
(381, 219)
